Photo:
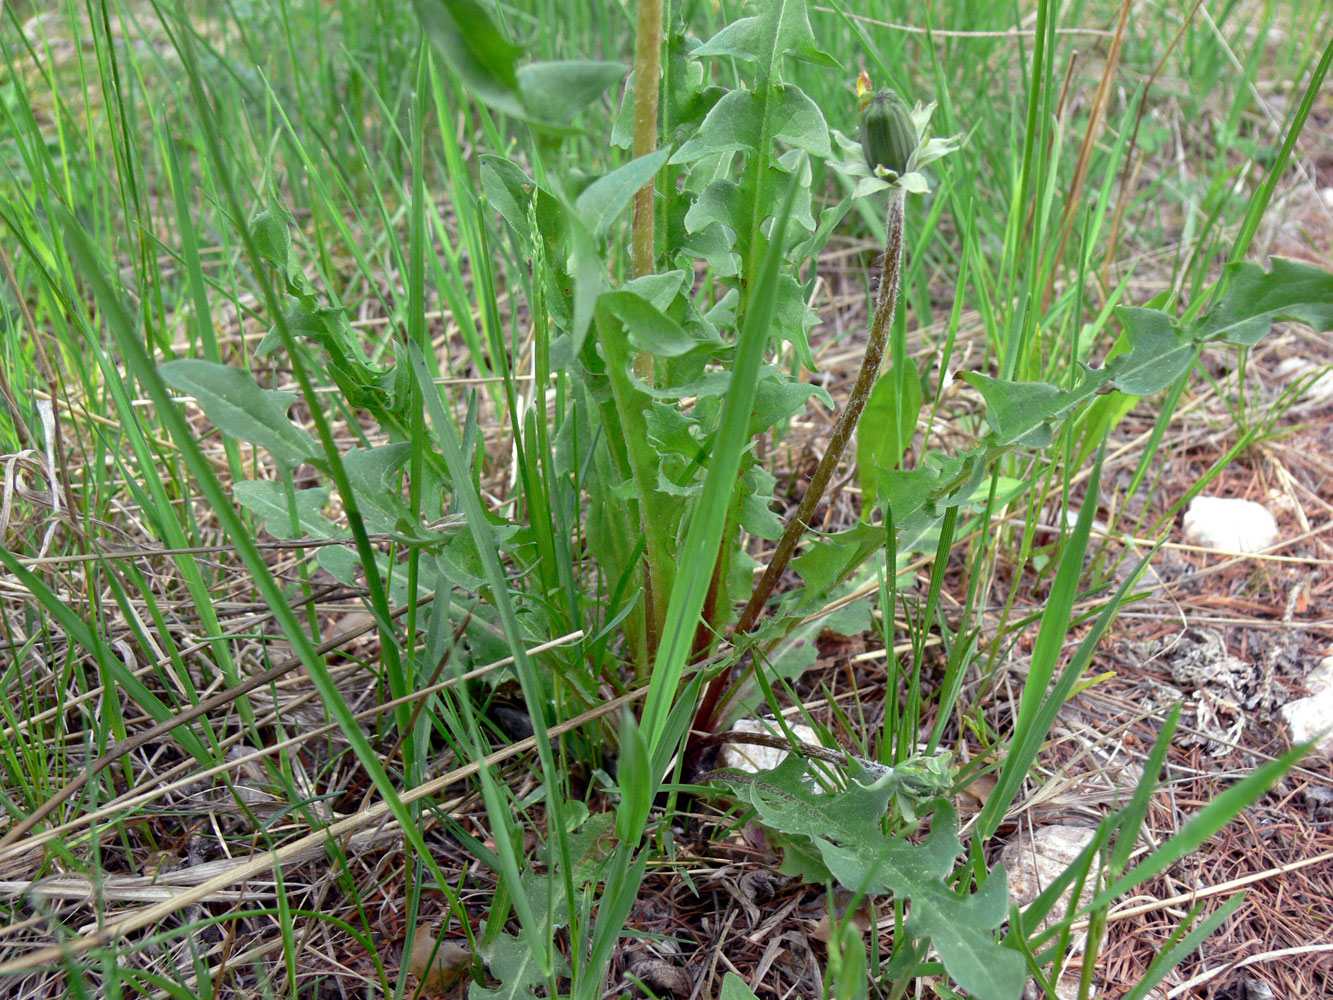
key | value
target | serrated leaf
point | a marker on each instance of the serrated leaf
(801, 122)
(649, 328)
(793, 320)
(1017, 412)
(713, 383)
(845, 826)
(514, 963)
(589, 849)
(605, 198)
(509, 190)
(756, 516)
(1159, 352)
(830, 557)
(554, 92)
(1254, 298)
(732, 124)
(659, 289)
(828, 220)
(719, 202)
(267, 500)
(672, 431)
(473, 47)
(1021, 413)
(713, 245)
(782, 27)
(741, 39)
(368, 471)
(958, 927)
(239, 406)
(795, 161)
(777, 399)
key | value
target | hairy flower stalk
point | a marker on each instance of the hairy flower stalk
(885, 306)
(647, 70)
(893, 150)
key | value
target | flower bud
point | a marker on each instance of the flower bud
(888, 134)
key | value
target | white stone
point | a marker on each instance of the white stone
(1066, 989)
(1034, 862)
(752, 758)
(1321, 677)
(1231, 525)
(1294, 368)
(1312, 719)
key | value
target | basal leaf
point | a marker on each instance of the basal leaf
(698, 553)
(777, 399)
(734, 988)
(713, 244)
(886, 428)
(514, 963)
(829, 558)
(756, 516)
(368, 472)
(741, 39)
(238, 406)
(554, 92)
(1021, 413)
(1254, 298)
(959, 927)
(343, 564)
(588, 272)
(622, 128)
(713, 383)
(659, 289)
(606, 197)
(793, 322)
(844, 825)
(271, 233)
(671, 431)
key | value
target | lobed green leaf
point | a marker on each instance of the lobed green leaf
(239, 406)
